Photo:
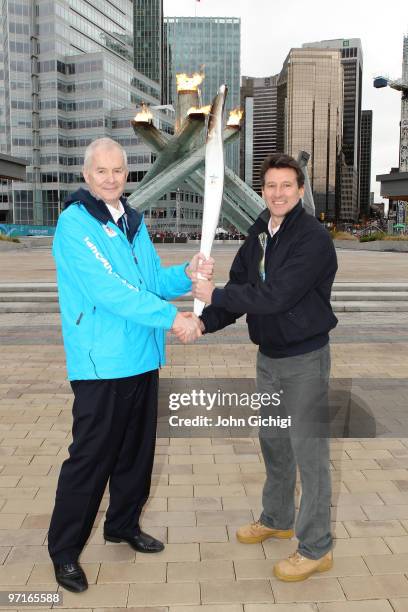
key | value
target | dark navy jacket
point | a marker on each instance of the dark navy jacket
(288, 313)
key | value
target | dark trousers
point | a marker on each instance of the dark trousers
(302, 383)
(114, 433)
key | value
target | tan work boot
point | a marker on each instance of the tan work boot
(256, 532)
(299, 568)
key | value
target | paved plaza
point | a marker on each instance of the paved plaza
(204, 488)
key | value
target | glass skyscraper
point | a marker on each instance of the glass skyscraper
(211, 46)
(403, 157)
(310, 112)
(148, 38)
(259, 130)
(365, 161)
(66, 78)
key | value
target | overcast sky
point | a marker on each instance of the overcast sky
(270, 28)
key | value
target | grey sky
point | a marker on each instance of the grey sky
(269, 29)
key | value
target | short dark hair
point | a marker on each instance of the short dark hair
(280, 160)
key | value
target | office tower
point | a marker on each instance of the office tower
(148, 38)
(403, 157)
(66, 78)
(352, 62)
(259, 130)
(365, 162)
(310, 111)
(207, 45)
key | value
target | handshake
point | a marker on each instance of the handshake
(187, 326)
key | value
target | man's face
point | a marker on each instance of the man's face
(281, 192)
(106, 174)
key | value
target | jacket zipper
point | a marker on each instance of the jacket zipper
(141, 281)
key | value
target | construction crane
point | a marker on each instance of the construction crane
(398, 84)
(402, 86)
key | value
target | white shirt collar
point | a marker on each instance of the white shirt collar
(116, 212)
(271, 230)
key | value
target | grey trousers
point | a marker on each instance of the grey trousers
(302, 382)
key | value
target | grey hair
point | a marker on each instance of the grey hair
(102, 142)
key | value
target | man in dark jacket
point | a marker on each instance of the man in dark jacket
(281, 278)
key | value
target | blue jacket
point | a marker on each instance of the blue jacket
(113, 292)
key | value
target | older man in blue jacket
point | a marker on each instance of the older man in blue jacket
(115, 311)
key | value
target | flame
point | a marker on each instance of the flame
(144, 115)
(202, 109)
(235, 117)
(186, 82)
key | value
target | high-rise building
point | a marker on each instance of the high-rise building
(66, 78)
(352, 62)
(310, 112)
(148, 38)
(207, 45)
(365, 161)
(259, 130)
(403, 157)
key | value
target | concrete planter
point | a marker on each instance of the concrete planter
(399, 246)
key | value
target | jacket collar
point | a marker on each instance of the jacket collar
(98, 209)
(261, 224)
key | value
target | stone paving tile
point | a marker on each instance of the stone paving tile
(347, 513)
(22, 537)
(44, 574)
(94, 553)
(194, 503)
(386, 474)
(375, 486)
(138, 609)
(209, 608)
(252, 502)
(131, 572)
(200, 571)
(16, 574)
(375, 587)
(376, 513)
(324, 589)
(197, 534)
(219, 468)
(23, 554)
(387, 564)
(11, 521)
(394, 499)
(163, 594)
(18, 492)
(399, 605)
(292, 607)
(240, 591)
(172, 552)
(234, 490)
(351, 499)
(194, 479)
(398, 544)
(374, 528)
(98, 596)
(374, 605)
(231, 550)
(172, 491)
(224, 517)
(185, 519)
(362, 546)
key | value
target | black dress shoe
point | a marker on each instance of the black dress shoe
(71, 576)
(142, 542)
